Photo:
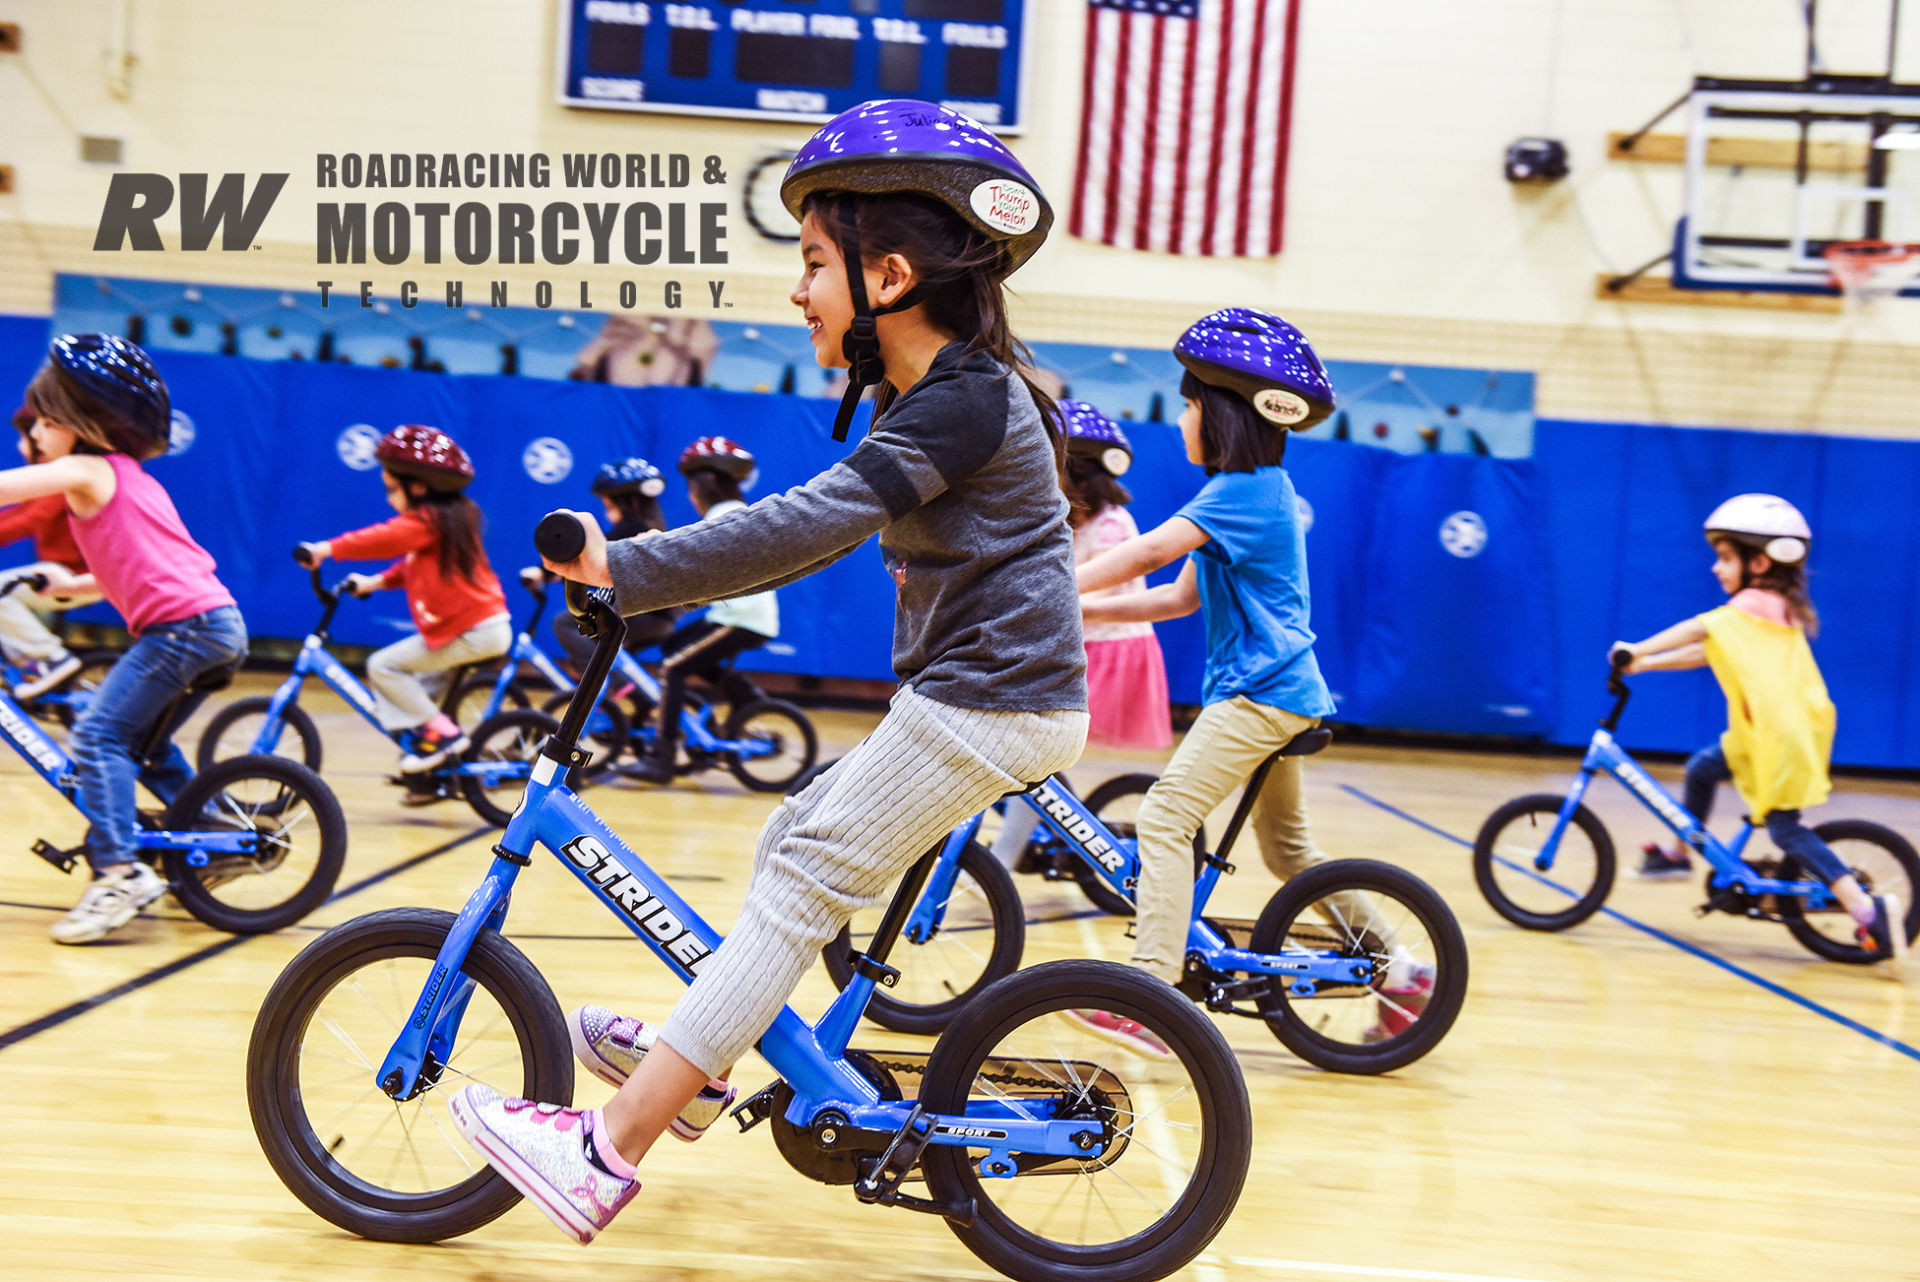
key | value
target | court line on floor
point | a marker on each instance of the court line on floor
(1732, 968)
(1368, 1270)
(73, 1010)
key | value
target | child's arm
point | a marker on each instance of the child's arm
(1142, 554)
(1174, 600)
(88, 478)
(1673, 649)
(403, 534)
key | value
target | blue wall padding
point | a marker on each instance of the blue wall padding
(1596, 537)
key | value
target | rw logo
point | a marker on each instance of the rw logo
(135, 203)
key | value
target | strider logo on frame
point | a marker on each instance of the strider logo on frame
(22, 732)
(638, 902)
(1649, 792)
(1080, 830)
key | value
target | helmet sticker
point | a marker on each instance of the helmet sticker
(653, 487)
(1277, 405)
(1115, 460)
(1006, 206)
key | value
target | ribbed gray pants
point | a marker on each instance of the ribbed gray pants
(841, 844)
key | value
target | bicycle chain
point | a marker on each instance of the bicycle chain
(1005, 1079)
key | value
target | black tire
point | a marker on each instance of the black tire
(778, 722)
(1881, 870)
(304, 844)
(278, 1098)
(1220, 1133)
(607, 735)
(512, 736)
(1117, 790)
(1534, 816)
(299, 737)
(469, 699)
(1322, 1028)
(945, 963)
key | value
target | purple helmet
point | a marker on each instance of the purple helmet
(895, 145)
(119, 377)
(1092, 435)
(1259, 356)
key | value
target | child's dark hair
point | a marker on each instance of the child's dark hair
(962, 277)
(1233, 437)
(710, 487)
(641, 509)
(458, 521)
(1090, 489)
(1790, 581)
(58, 399)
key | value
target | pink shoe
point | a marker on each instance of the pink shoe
(1401, 1007)
(612, 1046)
(1121, 1031)
(543, 1150)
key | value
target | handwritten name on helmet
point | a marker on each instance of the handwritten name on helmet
(1277, 405)
(638, 901)
(1006, 206)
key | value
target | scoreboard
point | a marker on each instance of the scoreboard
(792, 59)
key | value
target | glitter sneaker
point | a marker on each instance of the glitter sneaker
(612, 1046)
(548, 1153)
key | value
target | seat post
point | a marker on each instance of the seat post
(1255, 783)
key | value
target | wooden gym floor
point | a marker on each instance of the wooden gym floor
(1649, 1096)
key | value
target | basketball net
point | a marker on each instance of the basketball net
(1868, 271)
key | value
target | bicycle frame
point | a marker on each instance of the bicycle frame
(696, 729)
(810, 1058)
(1729, 867)
(1068, 821)
(51, 762)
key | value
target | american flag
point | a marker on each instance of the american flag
(1185, 114)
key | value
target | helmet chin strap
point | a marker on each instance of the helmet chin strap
(861, 344)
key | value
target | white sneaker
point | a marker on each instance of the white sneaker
(48, 677)
(108, 904)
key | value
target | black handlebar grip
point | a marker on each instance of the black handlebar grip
(560, 537)
(1620, 657)
(302, 557)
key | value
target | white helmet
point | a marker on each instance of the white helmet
(1766, 521)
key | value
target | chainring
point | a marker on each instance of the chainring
(836, 1166)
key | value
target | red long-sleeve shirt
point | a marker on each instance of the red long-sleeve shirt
(443, 607)
(44, 520)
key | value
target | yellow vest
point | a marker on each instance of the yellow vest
(1779, 735)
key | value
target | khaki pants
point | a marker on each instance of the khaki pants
(1228, 741)
(408, 678)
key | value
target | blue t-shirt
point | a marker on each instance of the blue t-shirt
(1252, 575)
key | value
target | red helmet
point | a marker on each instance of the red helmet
(717, 454)
(425, 454)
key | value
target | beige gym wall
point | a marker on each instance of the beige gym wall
(1404, 241)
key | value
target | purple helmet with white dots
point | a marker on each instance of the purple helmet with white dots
(1258, 356)
(902, 146)
(119, 382)
(1092, 435)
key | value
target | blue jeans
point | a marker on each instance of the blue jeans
(1707, 770)
(116, 725)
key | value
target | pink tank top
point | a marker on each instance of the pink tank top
(148, 566)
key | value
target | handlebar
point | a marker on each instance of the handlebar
(560, 536)
(32, 581)
(1617, 687)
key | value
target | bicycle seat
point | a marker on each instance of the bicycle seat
(209, 681)
(1307, 743)
(175, 713)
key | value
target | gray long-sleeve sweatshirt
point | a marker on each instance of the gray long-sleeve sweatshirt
(958, 480)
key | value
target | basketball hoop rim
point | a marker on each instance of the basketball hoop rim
(1853, 264)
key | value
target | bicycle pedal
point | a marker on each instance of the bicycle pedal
(756, 1108)
(64, 860)
(880, 1177)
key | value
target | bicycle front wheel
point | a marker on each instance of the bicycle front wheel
(391, 1170)
(979, 940)
(1506, 857)
(1175, 1129)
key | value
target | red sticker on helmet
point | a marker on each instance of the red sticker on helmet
(1279, 406)
(1007, 206)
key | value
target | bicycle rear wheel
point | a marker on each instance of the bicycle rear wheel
(301, 849)
(1882, 861)
(391, 1170)
(1176, 1130)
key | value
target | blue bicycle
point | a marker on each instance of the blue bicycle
(251, 845)
(1050, 1154)
(1530, 837)
(1356, 966)
(488, 774)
